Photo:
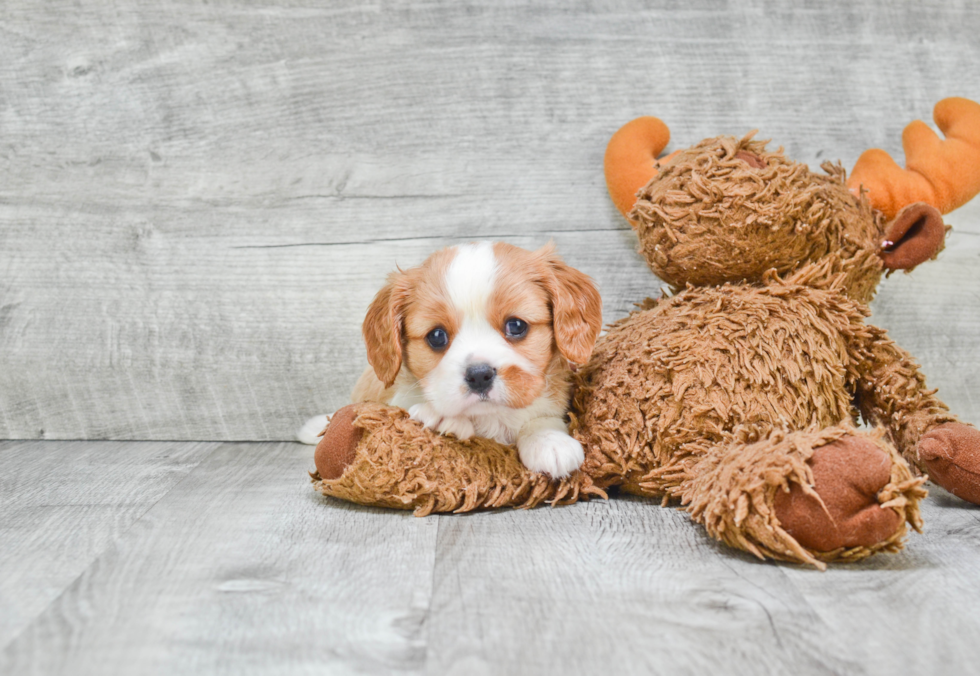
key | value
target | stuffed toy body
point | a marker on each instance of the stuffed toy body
(739, 394)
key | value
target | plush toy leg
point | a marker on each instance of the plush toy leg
(892, 393)
(376, 455)
(835, 494)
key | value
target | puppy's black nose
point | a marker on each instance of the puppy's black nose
(479, 377)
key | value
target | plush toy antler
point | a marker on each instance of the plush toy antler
(943, 173)
(631, 159)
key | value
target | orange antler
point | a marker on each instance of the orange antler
(945, 174)
(631, 158)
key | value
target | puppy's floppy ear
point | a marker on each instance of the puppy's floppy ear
(382, 328)
(575, 306)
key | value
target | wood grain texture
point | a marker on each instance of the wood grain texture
(197, 201)
(63, 503)
(629, 587)
(241, 568)
(918, 609)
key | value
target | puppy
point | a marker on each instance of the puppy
(479, 341)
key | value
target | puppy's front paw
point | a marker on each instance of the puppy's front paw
(426, 415)
(462, 428)
(312, 429)
(551, 451)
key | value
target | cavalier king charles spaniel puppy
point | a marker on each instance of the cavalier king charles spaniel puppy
(479, 340)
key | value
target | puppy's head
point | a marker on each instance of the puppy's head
(479, 325)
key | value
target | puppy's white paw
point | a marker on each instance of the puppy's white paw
(311, 430)
(425, 414)
(461, 427)
(550, 451)
(429, 417)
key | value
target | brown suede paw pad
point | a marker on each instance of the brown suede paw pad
(950, 453)
(338, 446)
(848, 475)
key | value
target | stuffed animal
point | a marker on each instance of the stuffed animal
(738, 394)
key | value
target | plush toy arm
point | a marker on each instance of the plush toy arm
(891, 392)
(376, 455)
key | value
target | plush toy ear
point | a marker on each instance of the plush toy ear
(915, 236)
(382, 328)
(575, 305)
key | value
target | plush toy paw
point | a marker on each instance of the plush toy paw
(848, 475)
(950, 453)
(338, 445)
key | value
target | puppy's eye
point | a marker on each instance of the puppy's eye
(437, 338)
(515, 328)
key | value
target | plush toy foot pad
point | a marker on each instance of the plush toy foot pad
(338, 446)
(950, 454)
(848, 474)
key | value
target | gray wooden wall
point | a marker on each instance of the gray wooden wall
(197, 201)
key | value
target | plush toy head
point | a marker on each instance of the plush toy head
(729, 210)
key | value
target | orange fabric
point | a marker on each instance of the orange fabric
(943, 173)
(631, 157)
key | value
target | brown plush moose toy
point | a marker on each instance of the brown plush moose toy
(738, 395)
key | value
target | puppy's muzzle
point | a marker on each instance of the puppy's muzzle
(479, 377)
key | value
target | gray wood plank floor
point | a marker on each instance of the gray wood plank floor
(62, 504)
(154, 563)
(197, 202)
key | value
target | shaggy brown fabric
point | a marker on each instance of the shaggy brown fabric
(951, 455)
(890, 391)
(751, 159)
(680, 376)
(671, 388)
(710, 217)
(733, 490)
(402, 465)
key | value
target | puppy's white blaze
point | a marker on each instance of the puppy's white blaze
(476, 342)
(470, 279)
(469, 282)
